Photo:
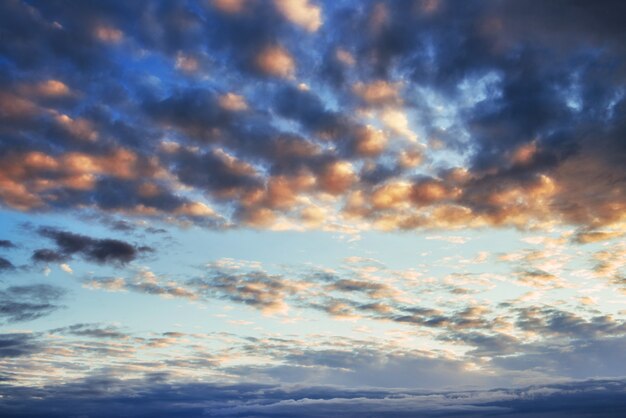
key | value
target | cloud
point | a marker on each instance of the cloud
(101, 396)
(218, 172)
(378, 92)
(48, 256)
(102, 251)
(6, 264)
(66, 268)
(309, 110)
(367, 290)
(397, 121)
(587, 237)
(337, 177)
(258, 289)
(233, 102)
(539, 279)
(18, 344)
(91, 331)
(521, 122)
(229, 6)
(145, 282)
(301, 12)
(4, 243)
(47, 88)
(29, 302)
(195, 111)
(275, 60)
(577, 359)
(369, 141)
(554, 322)
(108, 34)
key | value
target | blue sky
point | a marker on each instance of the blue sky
(304, 208)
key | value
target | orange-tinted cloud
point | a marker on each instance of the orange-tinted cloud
(275, 60)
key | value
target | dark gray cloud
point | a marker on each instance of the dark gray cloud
(114, 194)
(216, 173)
(28, 302)
(309, 110)
(102, 251)
(195, 111)
(49, 256)
(18, 344)
(154, 397)
(4, 243)
(5, 264)
(92, 331)
(550, 321)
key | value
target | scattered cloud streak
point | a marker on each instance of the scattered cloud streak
(28, 302)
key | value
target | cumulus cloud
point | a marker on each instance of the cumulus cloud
(378, 92)
(233, 102)
(301, 12)
(229, 6)
(276, 61)
(48, 88)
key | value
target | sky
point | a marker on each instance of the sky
(306, 208)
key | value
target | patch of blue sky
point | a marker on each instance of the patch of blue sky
(475, 89)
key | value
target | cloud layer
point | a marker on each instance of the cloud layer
(99, 397)
(239, 114)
